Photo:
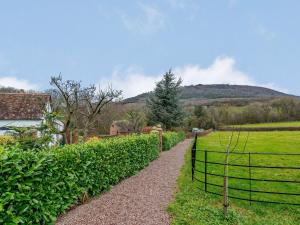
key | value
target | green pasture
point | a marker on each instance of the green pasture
(274, 124)
(260, 142)
(194, 206)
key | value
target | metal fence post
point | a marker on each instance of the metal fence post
(250, 183)
(194, 148)
(247, 178)
(205, 170)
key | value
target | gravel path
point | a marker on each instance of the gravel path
(138, 200)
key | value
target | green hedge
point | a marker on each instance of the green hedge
(5, 139)
(35, 187)
(171, 139)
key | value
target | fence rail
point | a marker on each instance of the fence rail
(204, 171)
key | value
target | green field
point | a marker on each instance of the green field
(194, 206)
(275, 124)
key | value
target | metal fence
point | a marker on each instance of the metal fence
(203, 169)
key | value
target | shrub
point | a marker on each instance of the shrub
(35, 187)
(170, 139)
(33, 143)
(6, 139)
(94, 138)
(27, 138)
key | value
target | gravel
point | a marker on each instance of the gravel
(139, 200)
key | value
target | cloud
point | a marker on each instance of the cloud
(9, 80)
(149, 19)
(15, 82)
(181, 4)
(189, 8)
(275, 87)
(131, 80)
(223, 70)
(261, 29)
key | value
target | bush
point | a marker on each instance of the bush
(35, 187)
(6, 139)
(27, 143)
(170, 139)
(94, 138)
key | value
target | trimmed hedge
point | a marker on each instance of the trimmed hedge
(35, 187)
(171, 139)
(5, 139)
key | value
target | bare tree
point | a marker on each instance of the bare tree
(112, 111)
(68, 96)
(136, 118)
(79, 105)
(93, 101)
(230, 148)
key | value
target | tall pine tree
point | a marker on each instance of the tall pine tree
(163, 104)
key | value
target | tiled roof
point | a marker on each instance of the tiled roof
(22, 106)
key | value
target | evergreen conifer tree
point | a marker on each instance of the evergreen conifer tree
(163, 104)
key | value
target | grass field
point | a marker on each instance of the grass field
(193, 206)
(274, 124)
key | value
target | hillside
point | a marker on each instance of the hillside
(218, 92)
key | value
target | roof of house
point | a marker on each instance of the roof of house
(123, 125)
(22, 106)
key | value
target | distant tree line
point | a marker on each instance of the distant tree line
(90, 111)
(277, 110)
(14, 90)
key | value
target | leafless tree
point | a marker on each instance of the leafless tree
(68, 96)
(93, 101)
(79, 105)
(230, 148)
(136, 119)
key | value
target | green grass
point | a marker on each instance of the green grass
(275, 124)
(194, 206)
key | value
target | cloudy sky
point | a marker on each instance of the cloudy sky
(130, 44)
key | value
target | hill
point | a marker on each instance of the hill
(218, 93)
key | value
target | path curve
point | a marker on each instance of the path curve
(139, 200)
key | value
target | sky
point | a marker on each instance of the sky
(131, 44)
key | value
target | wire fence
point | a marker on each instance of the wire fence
(201, 165)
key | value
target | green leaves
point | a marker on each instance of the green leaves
(171, 139)
(35, 187)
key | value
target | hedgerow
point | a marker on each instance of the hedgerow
(5, 139)
(170, 139)
(35, 187)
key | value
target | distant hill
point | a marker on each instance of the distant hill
(218, 92)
